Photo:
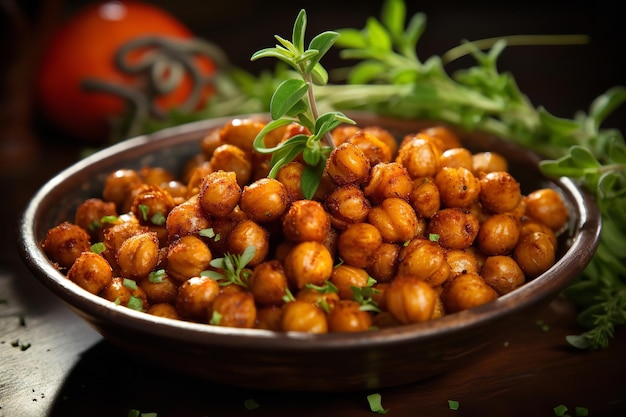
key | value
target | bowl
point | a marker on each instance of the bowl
(293, 361)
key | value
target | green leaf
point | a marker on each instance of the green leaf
(258, 143)
(413, 33)
(393, 15)
(311, 177)
(583, 158)
(366, 72)
(319, 75)
(247, 255)
(299, 29)
(378, 36)
(606, 103)
(322, 43)
(288, 94)
(375, 403)
(351, 38)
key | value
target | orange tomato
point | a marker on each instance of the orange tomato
(84, 48)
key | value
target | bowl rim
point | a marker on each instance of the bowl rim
(584, 244)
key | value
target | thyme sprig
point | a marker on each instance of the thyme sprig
(294, 101)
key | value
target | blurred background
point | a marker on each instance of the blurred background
(563, 79)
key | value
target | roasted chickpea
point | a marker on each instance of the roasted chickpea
(499, 192)
(375, 149)
(502, 274)
(177, 190)
(462, 261)
(290, 175)
(195, 177)
(269, 318)
(241, 133)
(138, 255)
(445, 137)
(65, 242)
(232, 158)
(485, 162)
(466, 291)
(425, 260)
(458, 187)
(89, 215)
(187, 257)
(301, 316)
(210, 142)
(420, 157)
(530, 225)
(155, 175)
(425, 197)
(322, 297)
(347, 316)
(344, 277)
(534, 253)
(455, 228)
(219, 193)
(164, 310)
(249, 233)
(91, 272)
(457, 158)
(116, 234)
(388, 180)
(216, 237)
(268, 283)
(395, 219)
(264, 200)
(233, 309)
(308, 263)
(385, 136)
(499, 234)
(547, 206)
(305, 220)
(347, 164)
(347, 205)
(384, 263)
(410, 299)
(120, 291)
(118, 185)
(344, 132)
(195, 297)
(357, 244)
(186, 219)
(159, 287)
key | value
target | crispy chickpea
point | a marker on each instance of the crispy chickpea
(290, 175)
(91, 272)
(375, 149)
(502, 274)
(385, 136)
(462, 261)
(547, 206)
(308, 263)
(241, 133)
(249, 233)
(268, 318)
(357, 244)
(420, 157)
(264, 200)
(159, 288)
(499, 192)
(216, 237)
(347, 164)
(425, 260)
(456, 228)
(466, 291)
(89, 215)
(534, 253)
(410, 300)
(530, 225)
(305, 220)
(177, 190)
(499, 234)
(155, 175)
(343, 133)
(458, 187)
(233, 309)
(347, 316)
(395, 219)
(120, 291)
(195, 297)
(65, 242)
(232, 158)
(268, 283)
(195, 177)
(138, 255)
(187, 257)
(347, 205)
(425, 197)
(485, 162)
(219, 193)
(118, 186)
(117, 234)
(318, 297)
(384, 263)
(344, 277)
(301, 316)
(457, 158)
(388, 180)
(186, 219)
(151, 205)
(164, 310)
(209, 142)
(445, 136)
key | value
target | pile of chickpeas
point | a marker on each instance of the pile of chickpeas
(398, 232)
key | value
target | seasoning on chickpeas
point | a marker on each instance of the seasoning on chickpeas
(396, 233)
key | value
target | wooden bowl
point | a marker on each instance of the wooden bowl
(298, 361)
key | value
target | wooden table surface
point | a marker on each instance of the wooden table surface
(53, 364)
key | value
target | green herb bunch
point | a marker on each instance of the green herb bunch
(294, 101)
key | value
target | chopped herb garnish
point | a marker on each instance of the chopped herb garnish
(158, 219)
(216, 318)
(130, 284)
(98, 248)
(135, 303)
(288, 297)
(251, 404)
(210, 233)
(156, 276)
(24, 346)
(233, 267)
(581, 412)
(375, 403)
(328, 287)
(453, 405)
(144, 210)
(364, 296)
(560, 411)
(433, 237)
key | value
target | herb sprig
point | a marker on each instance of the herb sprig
(294, 101)
(233, 267)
